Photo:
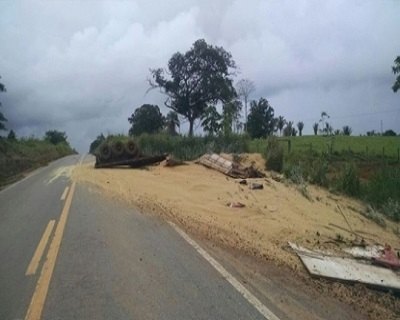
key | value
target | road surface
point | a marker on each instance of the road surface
(69, 253)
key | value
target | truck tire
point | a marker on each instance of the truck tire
(105, 152)
(118, 149)
(131, 148)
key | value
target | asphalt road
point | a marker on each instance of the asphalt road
(68, 252)
(100, 260)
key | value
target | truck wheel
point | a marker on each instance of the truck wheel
(131, 149)
(105, 152)
(118, 148)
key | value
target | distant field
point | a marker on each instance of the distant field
(368, 146)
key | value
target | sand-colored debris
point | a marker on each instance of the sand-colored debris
(199, 200)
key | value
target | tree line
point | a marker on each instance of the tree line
(199, 82)
(196, 82)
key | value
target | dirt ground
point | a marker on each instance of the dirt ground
(198, 199)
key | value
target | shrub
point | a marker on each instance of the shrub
(349, 182)
(273, 155)
(373, 215)
(190, 148)
(383, 185)
(294, 173)
(391, 209)
(318, 171)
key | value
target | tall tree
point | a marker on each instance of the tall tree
(211, 121)
(2, 117)
(196, 79)
(55, 136)
(261, 120)
(300, 126)
(389, 133)
(325, 128)
(96, 143)
(280, 123)
(12, 135)
(288, 131)
(172, 122)
(315, 128)
(244, 89)
(396, 70)
(231, 115)
(146, 119)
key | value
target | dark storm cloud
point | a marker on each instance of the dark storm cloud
(81, 66)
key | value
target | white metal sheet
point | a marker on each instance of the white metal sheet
(346, 269)
(367, 252)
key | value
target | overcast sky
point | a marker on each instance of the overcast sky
(81, 66)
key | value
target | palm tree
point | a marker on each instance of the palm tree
(288, 131)
(300, 126)
(171, 122)
(280, 123)
(315, 128)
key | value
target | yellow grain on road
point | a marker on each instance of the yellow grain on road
(39, 296)
(37, 256)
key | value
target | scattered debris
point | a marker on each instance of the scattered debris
(322, 264)
(277, 177)
(171, 162)
(227, 167)
(256, 186)
(383, 256)
(388, 258)
(236, 205)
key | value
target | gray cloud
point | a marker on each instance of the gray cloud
(81, 66)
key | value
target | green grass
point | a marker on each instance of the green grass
(371, 147)
(190, 148)
(17, 156)
(351, 165)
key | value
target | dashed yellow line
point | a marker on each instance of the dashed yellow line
(37, 256)
(39, 296)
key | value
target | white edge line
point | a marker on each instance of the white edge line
(64, 195)
(268, 314)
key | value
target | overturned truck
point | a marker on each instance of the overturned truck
(123, 153)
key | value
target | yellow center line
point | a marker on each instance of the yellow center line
(39, 296)
(37, 256)
(64, 195)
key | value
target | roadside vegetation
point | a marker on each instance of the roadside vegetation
(373, 177)
(18, 156)
(199, 89)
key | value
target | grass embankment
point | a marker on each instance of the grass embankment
(367, 168)
(19, 156)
